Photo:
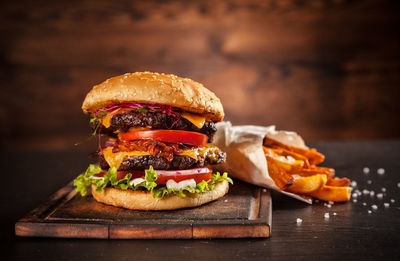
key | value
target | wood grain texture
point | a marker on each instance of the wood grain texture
(244, 212)
(327, 69)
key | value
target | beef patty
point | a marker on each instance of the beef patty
(157, 120)
(179, 162)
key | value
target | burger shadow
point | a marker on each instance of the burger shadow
(283, 202)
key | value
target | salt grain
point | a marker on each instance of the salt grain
(392, 200)
(353, 184)
(369, 211)
(366, 170)
(372, 193)
(369, 181)
(384, 189)
(355, 195)
(381, 171)
(398, 185)
(374, 207)
(386, 204)
(329, 206)
(379, 195)
(365, 191)
(334, 213)
(299, 220)
(326, 215)
(354, 200)
(364, 204)
(331, 202)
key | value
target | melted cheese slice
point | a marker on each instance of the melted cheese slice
(197, 120)
(114, 159)
(106, 121)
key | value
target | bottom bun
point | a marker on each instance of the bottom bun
(142, 200)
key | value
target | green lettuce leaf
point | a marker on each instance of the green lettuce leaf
(82, 182)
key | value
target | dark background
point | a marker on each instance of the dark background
(329, 70)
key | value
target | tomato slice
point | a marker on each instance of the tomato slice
(173, 136)
(198, 175)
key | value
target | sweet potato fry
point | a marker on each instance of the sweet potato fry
(282, 160)
(343, 182)
(331, 193)
(307, 185)
(281, 178)
(313, 155)
(313, 170)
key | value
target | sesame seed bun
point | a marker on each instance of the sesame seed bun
(148, 87)
(142, 200)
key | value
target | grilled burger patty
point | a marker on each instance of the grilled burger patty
(179, 162)
(157, 120)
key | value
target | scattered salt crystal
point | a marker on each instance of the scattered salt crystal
(329, 206)
(355, 195)
(316, 201)
(381, 171)
(358, 192)
(386, 204)
(366, 170)
(384, 189)
(353, 184)
(331, 202)
(326, 215)
(365, 191)
(225, 200)
(334, 213)
(299, 220)
(372, 193)
(398, 185)
(379, 195)
(264, 190)
(369, 211)
(369, 181)
(392, 200)
(374, 207)
(364, 204)
(354, 200)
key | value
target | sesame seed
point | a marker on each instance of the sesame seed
(381, 171)
(366, 170)
(386, 204)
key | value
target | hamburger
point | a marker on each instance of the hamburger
(154, 132)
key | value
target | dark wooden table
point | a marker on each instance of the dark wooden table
(29, 177)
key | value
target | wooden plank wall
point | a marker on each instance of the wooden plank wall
(327, 69)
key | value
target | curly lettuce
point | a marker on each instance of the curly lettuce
(82, 182)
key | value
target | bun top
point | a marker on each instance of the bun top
(159, 88)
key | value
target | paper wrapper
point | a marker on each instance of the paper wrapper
(245, 157)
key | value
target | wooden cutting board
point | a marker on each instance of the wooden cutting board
(244, 212)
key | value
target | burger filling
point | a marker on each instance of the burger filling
(155, 148)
